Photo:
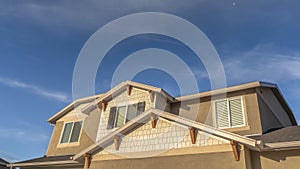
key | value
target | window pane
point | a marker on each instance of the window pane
(132, 112)
(236, 112)
(76, 132)
(66, 134)
(222, 114)
(121, 116)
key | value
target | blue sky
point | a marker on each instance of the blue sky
(40, 42)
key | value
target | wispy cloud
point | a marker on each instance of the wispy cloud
(17, 134)
(265, 63)
(59, 96)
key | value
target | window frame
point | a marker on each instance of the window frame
(70, 136)
(126, 113)
(229, 112)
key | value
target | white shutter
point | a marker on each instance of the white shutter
(236, 112)
(222, 114)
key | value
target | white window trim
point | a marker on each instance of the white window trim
(62, 133)
(229, 114)
(127, 105)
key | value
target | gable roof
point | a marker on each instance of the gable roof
(71, 106)
(245, 86)
(3, 162)
(144, 117)
(94, 100)
(121, 87)
(227, 90)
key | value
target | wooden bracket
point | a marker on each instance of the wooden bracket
(129, 88)
(117, 142)
(193, 134)
(235, 150)
(153, 120)
(102, 105)
(87, 160)
(151, 95)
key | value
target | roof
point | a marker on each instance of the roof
(227, 90)
(94, 100)
(142, 118)
(121, 87)
(71, 106)
(245, 86)
(3, 162)
(46, 160)
(286, 134)
(281, 139)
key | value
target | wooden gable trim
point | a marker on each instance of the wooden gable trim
(153, 119)
(117, 142)
(193, 134)
(102, 105)
(151, 96)
(235, 149)
(87, 160)
(129, 89)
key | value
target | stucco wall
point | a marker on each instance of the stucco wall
(203, 112)
(88, 134)
(289, 159)
(219, 160)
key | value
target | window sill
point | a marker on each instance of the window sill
(62, 145)
(233, 129)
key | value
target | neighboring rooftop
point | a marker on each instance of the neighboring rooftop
(287, 134)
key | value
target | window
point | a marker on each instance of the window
(119, 116)
(229, 113)
(71, 132)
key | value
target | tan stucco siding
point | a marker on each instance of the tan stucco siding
(166, 135)
(137, 95)
(289, 159)
(88, 134)
(218, 160)
(203, 112)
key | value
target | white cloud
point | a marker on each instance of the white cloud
(59, 96)
(264, 63)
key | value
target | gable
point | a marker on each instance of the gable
(136, 96)
(167, 135)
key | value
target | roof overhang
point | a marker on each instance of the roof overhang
(122, 87)
(47, 163)
(227, 90)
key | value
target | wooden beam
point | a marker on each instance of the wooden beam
(151, 95)
(129, 88)
(103, 105)
(193, 134)
(87, 160)
(153, 120)
(117, 142)
(235, 150)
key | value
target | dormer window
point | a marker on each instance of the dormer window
(119, 116)
(71, 132)
(229, 113)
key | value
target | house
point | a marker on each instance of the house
(3, 164)
(133, 125)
